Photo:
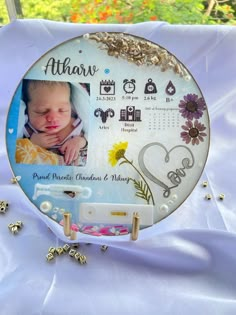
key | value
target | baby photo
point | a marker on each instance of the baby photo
(52, 123)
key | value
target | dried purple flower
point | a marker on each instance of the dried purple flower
(193, 132)
(192, 106)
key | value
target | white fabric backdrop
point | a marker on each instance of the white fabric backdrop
(186, 264)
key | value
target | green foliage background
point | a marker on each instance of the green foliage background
(128, 11)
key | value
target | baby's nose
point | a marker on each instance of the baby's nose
(51, 116)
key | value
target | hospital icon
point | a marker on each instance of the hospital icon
(130, 114)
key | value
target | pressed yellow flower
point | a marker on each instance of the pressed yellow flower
(117, 152)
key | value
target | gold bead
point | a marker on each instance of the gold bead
(83, 259)
(10, 226)
(59, 251)
(49, 256)
(66, 248)
(222, 196)
(208, 196)
(77, 255)
(52, 250)
(3, 206)
(14, 229)
(2, 209)
(19, 224)
(14, 180)
(104, 248)
(72, 252)
(205, 184)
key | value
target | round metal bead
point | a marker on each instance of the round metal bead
(205, 184)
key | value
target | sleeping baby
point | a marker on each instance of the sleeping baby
(52, 123)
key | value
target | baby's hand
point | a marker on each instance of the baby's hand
(71, 148)
(44, 140)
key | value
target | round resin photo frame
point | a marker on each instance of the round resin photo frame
(105, 132)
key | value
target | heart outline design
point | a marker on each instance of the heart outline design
(171, 175)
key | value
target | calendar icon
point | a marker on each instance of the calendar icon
(107, 87)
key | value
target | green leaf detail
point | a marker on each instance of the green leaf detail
(142, 190)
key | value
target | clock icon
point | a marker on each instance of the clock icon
(129, 86)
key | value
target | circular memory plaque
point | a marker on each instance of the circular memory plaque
(104, 126)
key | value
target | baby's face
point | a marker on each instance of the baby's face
(49, 108)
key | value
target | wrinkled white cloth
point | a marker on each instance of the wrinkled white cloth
(185, 264)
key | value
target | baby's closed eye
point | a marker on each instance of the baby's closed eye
(63, 110)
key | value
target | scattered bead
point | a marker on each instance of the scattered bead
(10, 226)
(83, 259)
(52, 250)
(205, 184)
(59, 251)
(3, 206)
(14, 229)
(72, 252)
(19, 224)
(77, 255)
(66, 248)
(104, 248)
(208, 197)
(49, 256)
(222, 196)
(14, 180)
